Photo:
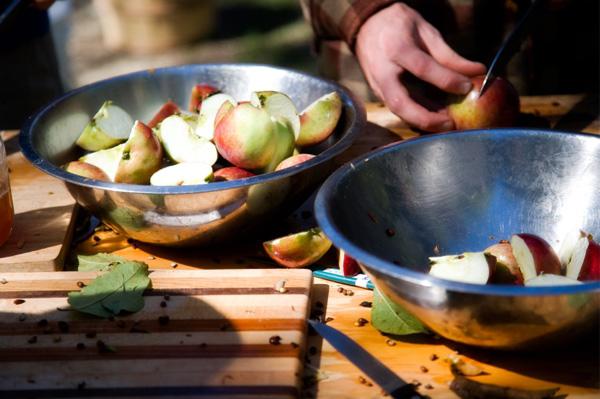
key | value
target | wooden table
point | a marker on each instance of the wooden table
(328, 374)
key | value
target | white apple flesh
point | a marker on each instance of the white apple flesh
(319, 119)
(584, 263)
(534, 256)
(107, 160)
(182, 174)
(110, 126)
(544, 280)
(279, 106)
(182, 145)
(470, 267)
(205, 126)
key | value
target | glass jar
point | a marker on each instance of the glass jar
(6, 206)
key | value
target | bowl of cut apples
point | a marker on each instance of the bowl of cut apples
(195, 154)
(489, 237)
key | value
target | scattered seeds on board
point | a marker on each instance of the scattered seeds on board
(364, 381)
(366, 304)
(3, 281)
(96, 238)
(167, 297)
(275, 340)
(390, 342)
(63, 326)
(360, 322)
(163, 320)
(424, 369)
(328, 319)
(174, 265)
(80, 284)
(415, 383)
(32, 340)
(340, 289)
(428, 386)
(151, 257)
(163, 304)
(19, 301)
(433, 357)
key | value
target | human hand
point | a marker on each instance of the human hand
(397, 40)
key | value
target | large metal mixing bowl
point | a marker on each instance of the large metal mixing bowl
(462, 192)
(186, 215)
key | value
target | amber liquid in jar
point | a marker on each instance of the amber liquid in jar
(6, 215)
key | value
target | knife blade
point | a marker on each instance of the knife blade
(510, 45)
(377, 371)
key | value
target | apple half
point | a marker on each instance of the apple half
(347, 264)
(299, 249)
(182, 145)
(584, 263)
(507, 269)
(469, 267)
(182, 174)
(294, 160)
(550, 280)
(110, 126)
(106, 160)
(86, 170)
(319, 119)
(205, 126)
(534, 256)
(279, 106)
(142, 156)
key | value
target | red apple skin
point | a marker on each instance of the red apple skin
(294, 160)
(145, 155)
(168, 109)
(590, 269)
(199, 93)
(299, 249)
(86, 170)
(348, 265)
(507, 269)
(544, 257)
(231, 173)
(497, 107)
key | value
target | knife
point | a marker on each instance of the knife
(377, 371)
(510, 45)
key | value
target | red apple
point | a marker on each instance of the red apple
(348, 265)
(168, 109)
(534, 256)
(299, 249)
(584, 264)
(507, 269)
(142, 156)
(498, 106)
(470, 267)
(231, 173)
(294, 160)
(199, 93)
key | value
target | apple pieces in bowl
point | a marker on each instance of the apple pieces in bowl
(178, 147)
(527, 260)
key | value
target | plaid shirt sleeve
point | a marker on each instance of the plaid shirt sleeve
(340, 19)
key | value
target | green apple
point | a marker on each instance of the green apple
(299, 249)
(109, 127)
(183, 145)
(182, 174)
(284, 140)
(319, 119)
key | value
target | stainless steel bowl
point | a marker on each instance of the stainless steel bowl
(186, 215)
(462, 192)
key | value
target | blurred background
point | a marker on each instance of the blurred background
(96, 39)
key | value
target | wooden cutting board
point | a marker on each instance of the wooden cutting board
(217, 340)
(44, 216)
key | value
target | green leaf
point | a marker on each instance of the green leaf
(391, 318)
(100, 262)
(118, 290)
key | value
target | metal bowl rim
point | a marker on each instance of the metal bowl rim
(323, 216)
(26, 140)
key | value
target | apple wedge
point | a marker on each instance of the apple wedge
(182, 174)
(550, 280)
(86, 170)
(231, 173)
(567, 247)
(247, 137)
(279, 106)
(168, 109)
(284, 145)
(182, 145)
(109, 127)
(199, 93)
(470, 267)
(142, 156)
(294, 160)
(106, 160)
(507, 270)
(205, 126)
(534, 256)
(584, 264)
(319, 119)
(347, 264)
(299, 249)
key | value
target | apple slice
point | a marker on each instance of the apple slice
(247, 137)
(231, 173)
(182, 174)
(142, 156)
(284, 145)
(507, 269)
(279, 106)
(182, 145)
(567, 247)
(469, 267)
(205, 126)
(550, 280)
(86, 170)
(299, 249)
(107, 160)
(168, 109)
(109, 127)
(348, 265)
(319, 119)
(534, 255)
(584, 264)
(199, 93)
(294, 160)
